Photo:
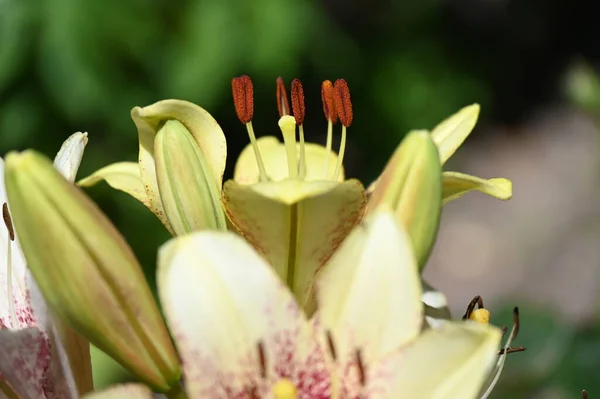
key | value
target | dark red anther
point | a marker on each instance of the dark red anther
(516, 322)
(327, 98)
(283, 105)
(262, 360)
(243, 98)
(362, 375)
(331, 346)
(298, 101)
(341, 100)
(8, 221)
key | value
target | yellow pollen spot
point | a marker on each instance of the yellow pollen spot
(284, 389)
(480, 316)
(287, 124)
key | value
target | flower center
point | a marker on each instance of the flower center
(336, 105)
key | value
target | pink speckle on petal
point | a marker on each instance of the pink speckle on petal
(25, 360)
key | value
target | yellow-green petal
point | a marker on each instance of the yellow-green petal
(122, 176)
(124, 391)
(369, 293)
(411, 184)
(456, 184)
(453, 131)
(274, 156)
(449, 362)
(295, 224)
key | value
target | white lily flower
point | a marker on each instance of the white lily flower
(241, 334)
(40, 357)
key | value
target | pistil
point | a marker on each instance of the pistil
(287, 124)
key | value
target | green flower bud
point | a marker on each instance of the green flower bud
(189, 193)
(86, 271)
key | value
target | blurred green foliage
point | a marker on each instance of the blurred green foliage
(68, 65)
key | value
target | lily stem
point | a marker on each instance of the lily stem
(176, 392)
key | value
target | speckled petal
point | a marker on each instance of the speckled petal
(24, 357)
(124, 391)
(221, 300)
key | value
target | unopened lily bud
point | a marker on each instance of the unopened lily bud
(190, 195)
(86, 271)
(411, 185)
(182, 170)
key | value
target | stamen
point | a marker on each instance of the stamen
(287, 124)
(298, 101)
(8, 222)
(343, 109)
(513, 334)
(584, 394)
(476, 301)
(11, 238)
(331, 116)
(331, 346)
(516, 322)
(362, 376)
(262, 360)
(299, 113)
(283, 106)
(327, 98)
(342, 103)
(243, 99)
(512, 350)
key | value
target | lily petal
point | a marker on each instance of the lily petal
(445, 363)
(222, 301)
(274, 157)
(24, 358)
(456, 184)
(369, 293)
(125, 391)
(295, 224)
(437, 311)
(69, 156)
(453, 131)
(123, 176)
(70, 361)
